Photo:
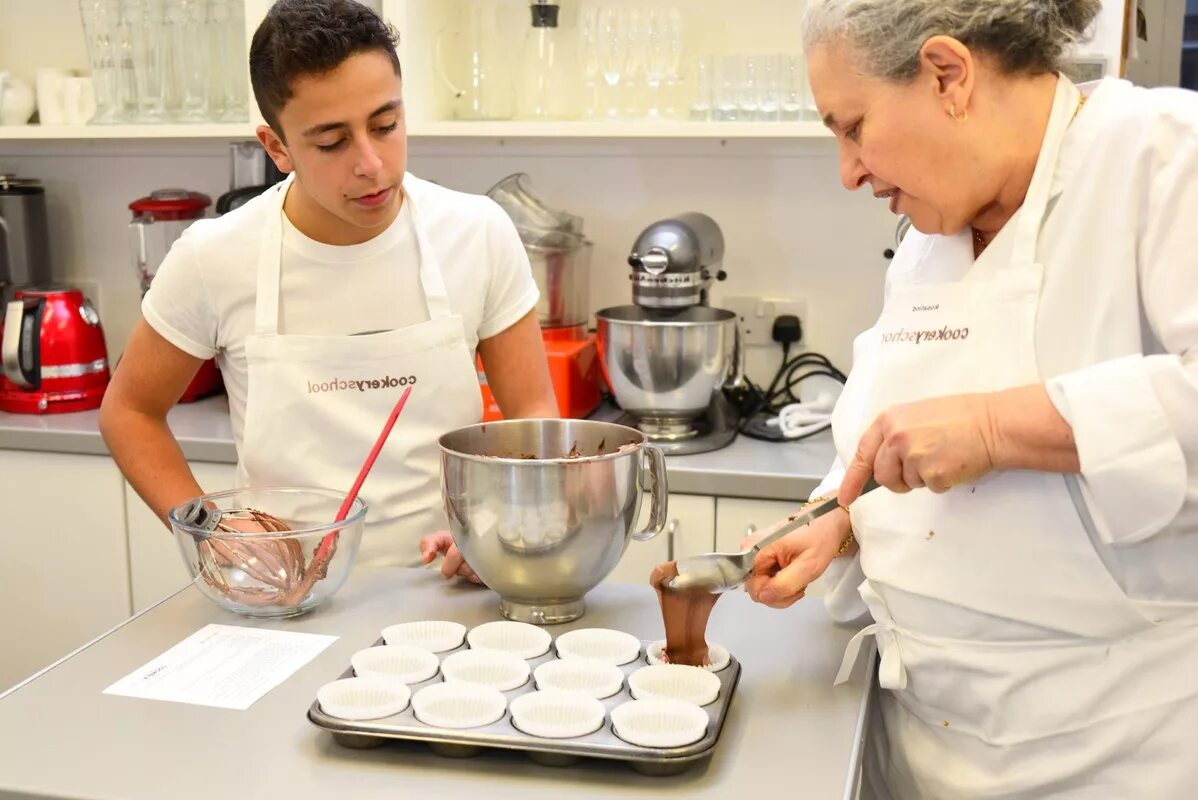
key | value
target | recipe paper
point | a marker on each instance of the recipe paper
(223, 666)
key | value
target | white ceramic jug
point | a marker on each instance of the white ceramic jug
(16, 100)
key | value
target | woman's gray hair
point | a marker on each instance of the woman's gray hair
(1026, 36)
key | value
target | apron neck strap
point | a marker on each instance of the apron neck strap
(270, 258)
(1030, 219)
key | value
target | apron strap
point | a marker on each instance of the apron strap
(269, 266)
(270, 250)
(1030, 218)
(435, 294)
(891, 673)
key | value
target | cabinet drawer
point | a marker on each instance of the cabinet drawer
(64, 571)
(736, 517)
(691, 530)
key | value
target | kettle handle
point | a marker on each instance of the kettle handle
(20, 349)
(5, 256)
(660, 494)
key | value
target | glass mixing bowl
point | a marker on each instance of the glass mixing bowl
(255, 569)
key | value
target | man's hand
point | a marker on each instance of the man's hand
(441, 543)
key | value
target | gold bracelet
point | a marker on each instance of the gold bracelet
(845, 545)
(850, 539)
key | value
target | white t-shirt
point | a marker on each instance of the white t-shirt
(202, 298)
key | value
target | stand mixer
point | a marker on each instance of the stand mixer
(669, 356)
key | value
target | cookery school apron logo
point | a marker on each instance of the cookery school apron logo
(945, 334)
(356, 385)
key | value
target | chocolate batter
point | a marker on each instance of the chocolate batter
(685, 614)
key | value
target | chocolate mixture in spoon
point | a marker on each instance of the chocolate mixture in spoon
(685, 614)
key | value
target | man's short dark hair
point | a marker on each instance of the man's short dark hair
(311, 37)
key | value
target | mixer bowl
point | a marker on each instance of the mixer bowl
(664, 368)
(543, 510)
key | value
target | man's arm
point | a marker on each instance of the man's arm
(148, 381)
(517, 371)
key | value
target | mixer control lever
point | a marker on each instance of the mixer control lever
(655, 261)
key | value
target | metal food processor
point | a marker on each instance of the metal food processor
(560, 258)
(669, 356)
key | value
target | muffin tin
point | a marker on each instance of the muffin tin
(504, 735)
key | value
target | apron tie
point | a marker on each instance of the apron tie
(891, 673)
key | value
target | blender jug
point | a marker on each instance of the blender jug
(158, 220)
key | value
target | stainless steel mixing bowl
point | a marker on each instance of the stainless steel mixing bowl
(543, 509)
(664, 369)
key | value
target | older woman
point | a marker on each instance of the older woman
(1028, 400)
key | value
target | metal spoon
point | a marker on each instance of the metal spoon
(719, 572)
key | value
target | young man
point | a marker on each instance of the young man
(326, 295)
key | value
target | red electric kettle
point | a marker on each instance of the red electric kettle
(54, 357)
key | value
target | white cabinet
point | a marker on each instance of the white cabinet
(736, 517)
(155, 565)
(64, 564)
(691, 530)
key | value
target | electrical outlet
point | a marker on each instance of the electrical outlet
(757, 315)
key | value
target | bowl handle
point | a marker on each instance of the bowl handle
(737, 368)
(655, 471)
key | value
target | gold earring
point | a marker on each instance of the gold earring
(952, 112)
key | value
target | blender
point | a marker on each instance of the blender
(669, 356)
(158, 220)
(560, 257)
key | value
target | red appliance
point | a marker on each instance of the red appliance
(158, 220)
(574, 369)
(53, 352)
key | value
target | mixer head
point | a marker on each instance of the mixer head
(674, 262)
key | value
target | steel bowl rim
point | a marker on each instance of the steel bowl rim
(351, 519)
(534, 462)
(601, 315)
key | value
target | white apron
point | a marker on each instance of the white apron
(1017, 666)
(317, 403)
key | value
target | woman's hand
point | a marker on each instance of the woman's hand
(441, 543)
(783, 569)
(937, 443)
(946, 441)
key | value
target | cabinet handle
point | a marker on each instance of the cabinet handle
(671, 529)
(752, 529)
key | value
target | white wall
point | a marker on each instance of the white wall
(791, 230)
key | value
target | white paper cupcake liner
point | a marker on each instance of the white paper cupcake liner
(403, 663)
(675, 682)
(518, 638)
(599, 644)
(717, 655)
(435, 636)
(494, 668)
(659, 723)
(592, 678)
(363, 698)
(458, 705)
(557, 714)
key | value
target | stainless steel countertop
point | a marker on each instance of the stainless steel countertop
(746, 468)
(789, 730)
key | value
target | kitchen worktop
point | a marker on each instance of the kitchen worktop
(746, 468)
(789, 730)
